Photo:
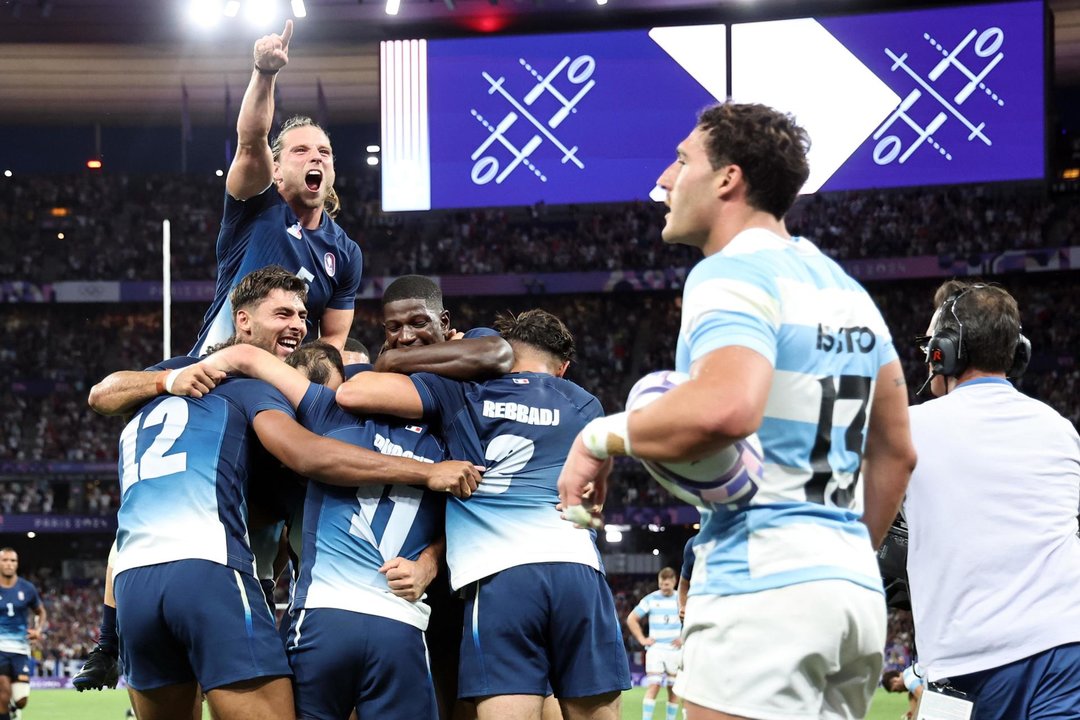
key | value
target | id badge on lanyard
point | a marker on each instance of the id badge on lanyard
(944, 704)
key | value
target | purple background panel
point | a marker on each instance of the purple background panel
(625, 128)
(1016, 128)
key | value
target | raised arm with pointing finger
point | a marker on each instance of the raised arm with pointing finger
(279, 208)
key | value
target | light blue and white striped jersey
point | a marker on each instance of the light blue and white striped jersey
(663, 614)
(520, 428)
(350, 532)
(826, 341)
(184, 468)
(15, 602)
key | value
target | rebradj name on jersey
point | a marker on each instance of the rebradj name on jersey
(521, 413)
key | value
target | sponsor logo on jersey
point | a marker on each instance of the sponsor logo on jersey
(295, 231)
(521, 381)
(330, 263)
(414, 428)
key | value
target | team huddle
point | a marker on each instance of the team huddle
(436, 511)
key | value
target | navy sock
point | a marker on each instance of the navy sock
(107, 638)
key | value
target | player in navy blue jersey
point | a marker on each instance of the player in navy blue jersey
(17, 598)
(279, 207)
(187, 597)
(269, 310)
(539, 613)
(356, 637)
(416, 328)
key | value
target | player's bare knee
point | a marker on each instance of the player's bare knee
(20, 693)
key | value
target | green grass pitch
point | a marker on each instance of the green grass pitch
(111, 704)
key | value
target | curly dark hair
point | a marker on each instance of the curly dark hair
(766, 144)
(539, 329)
(258, 284)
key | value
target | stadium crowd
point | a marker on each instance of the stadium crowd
(111, 229)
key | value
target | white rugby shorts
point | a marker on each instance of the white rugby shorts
(812, 650)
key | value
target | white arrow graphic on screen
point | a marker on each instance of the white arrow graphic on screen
(799, 67)
(701, 50)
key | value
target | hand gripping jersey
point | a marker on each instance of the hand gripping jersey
(826, 342)
(349, 533)
(263, 230)
(184, 474)
(520, 428)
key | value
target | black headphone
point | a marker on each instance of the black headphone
(945, 351)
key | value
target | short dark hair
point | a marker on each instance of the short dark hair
(667, 573)
(887, 677)
(766, 144)
(539, 329)
(354, 345)
(254, 287)
(990, 319)
(414, 287)
(316, 360)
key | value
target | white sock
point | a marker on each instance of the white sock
(647, 707)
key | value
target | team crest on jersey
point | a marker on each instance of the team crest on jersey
(521, 381)
(21, 595)
(414, 428)
(330, 263)
(295, 231)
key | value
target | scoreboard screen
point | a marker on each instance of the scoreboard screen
(926, 97)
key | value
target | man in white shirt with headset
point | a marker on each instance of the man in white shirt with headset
(994, 556)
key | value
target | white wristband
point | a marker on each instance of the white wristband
(171, 378)
(597, 435)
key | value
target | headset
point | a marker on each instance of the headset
(945, 351)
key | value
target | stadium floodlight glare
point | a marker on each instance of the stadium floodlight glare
(31, 534)
(60, 236)
(613, 536)
(372, 160)
(232, 7)
(601, 2)
(219, 172)
(204, 13)
(392, 7)
(261, 13)
(655, 551)
(7, 173)
(298, 9)
(373, 148)
(93, 164)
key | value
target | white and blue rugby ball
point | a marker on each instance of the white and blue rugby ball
(729, 477)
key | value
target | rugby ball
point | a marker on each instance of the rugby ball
(729, 477)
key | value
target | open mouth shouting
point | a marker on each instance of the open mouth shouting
(313, 180)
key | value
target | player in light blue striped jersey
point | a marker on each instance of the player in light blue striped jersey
(777, 340)
(18, 596)
(663, 644)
